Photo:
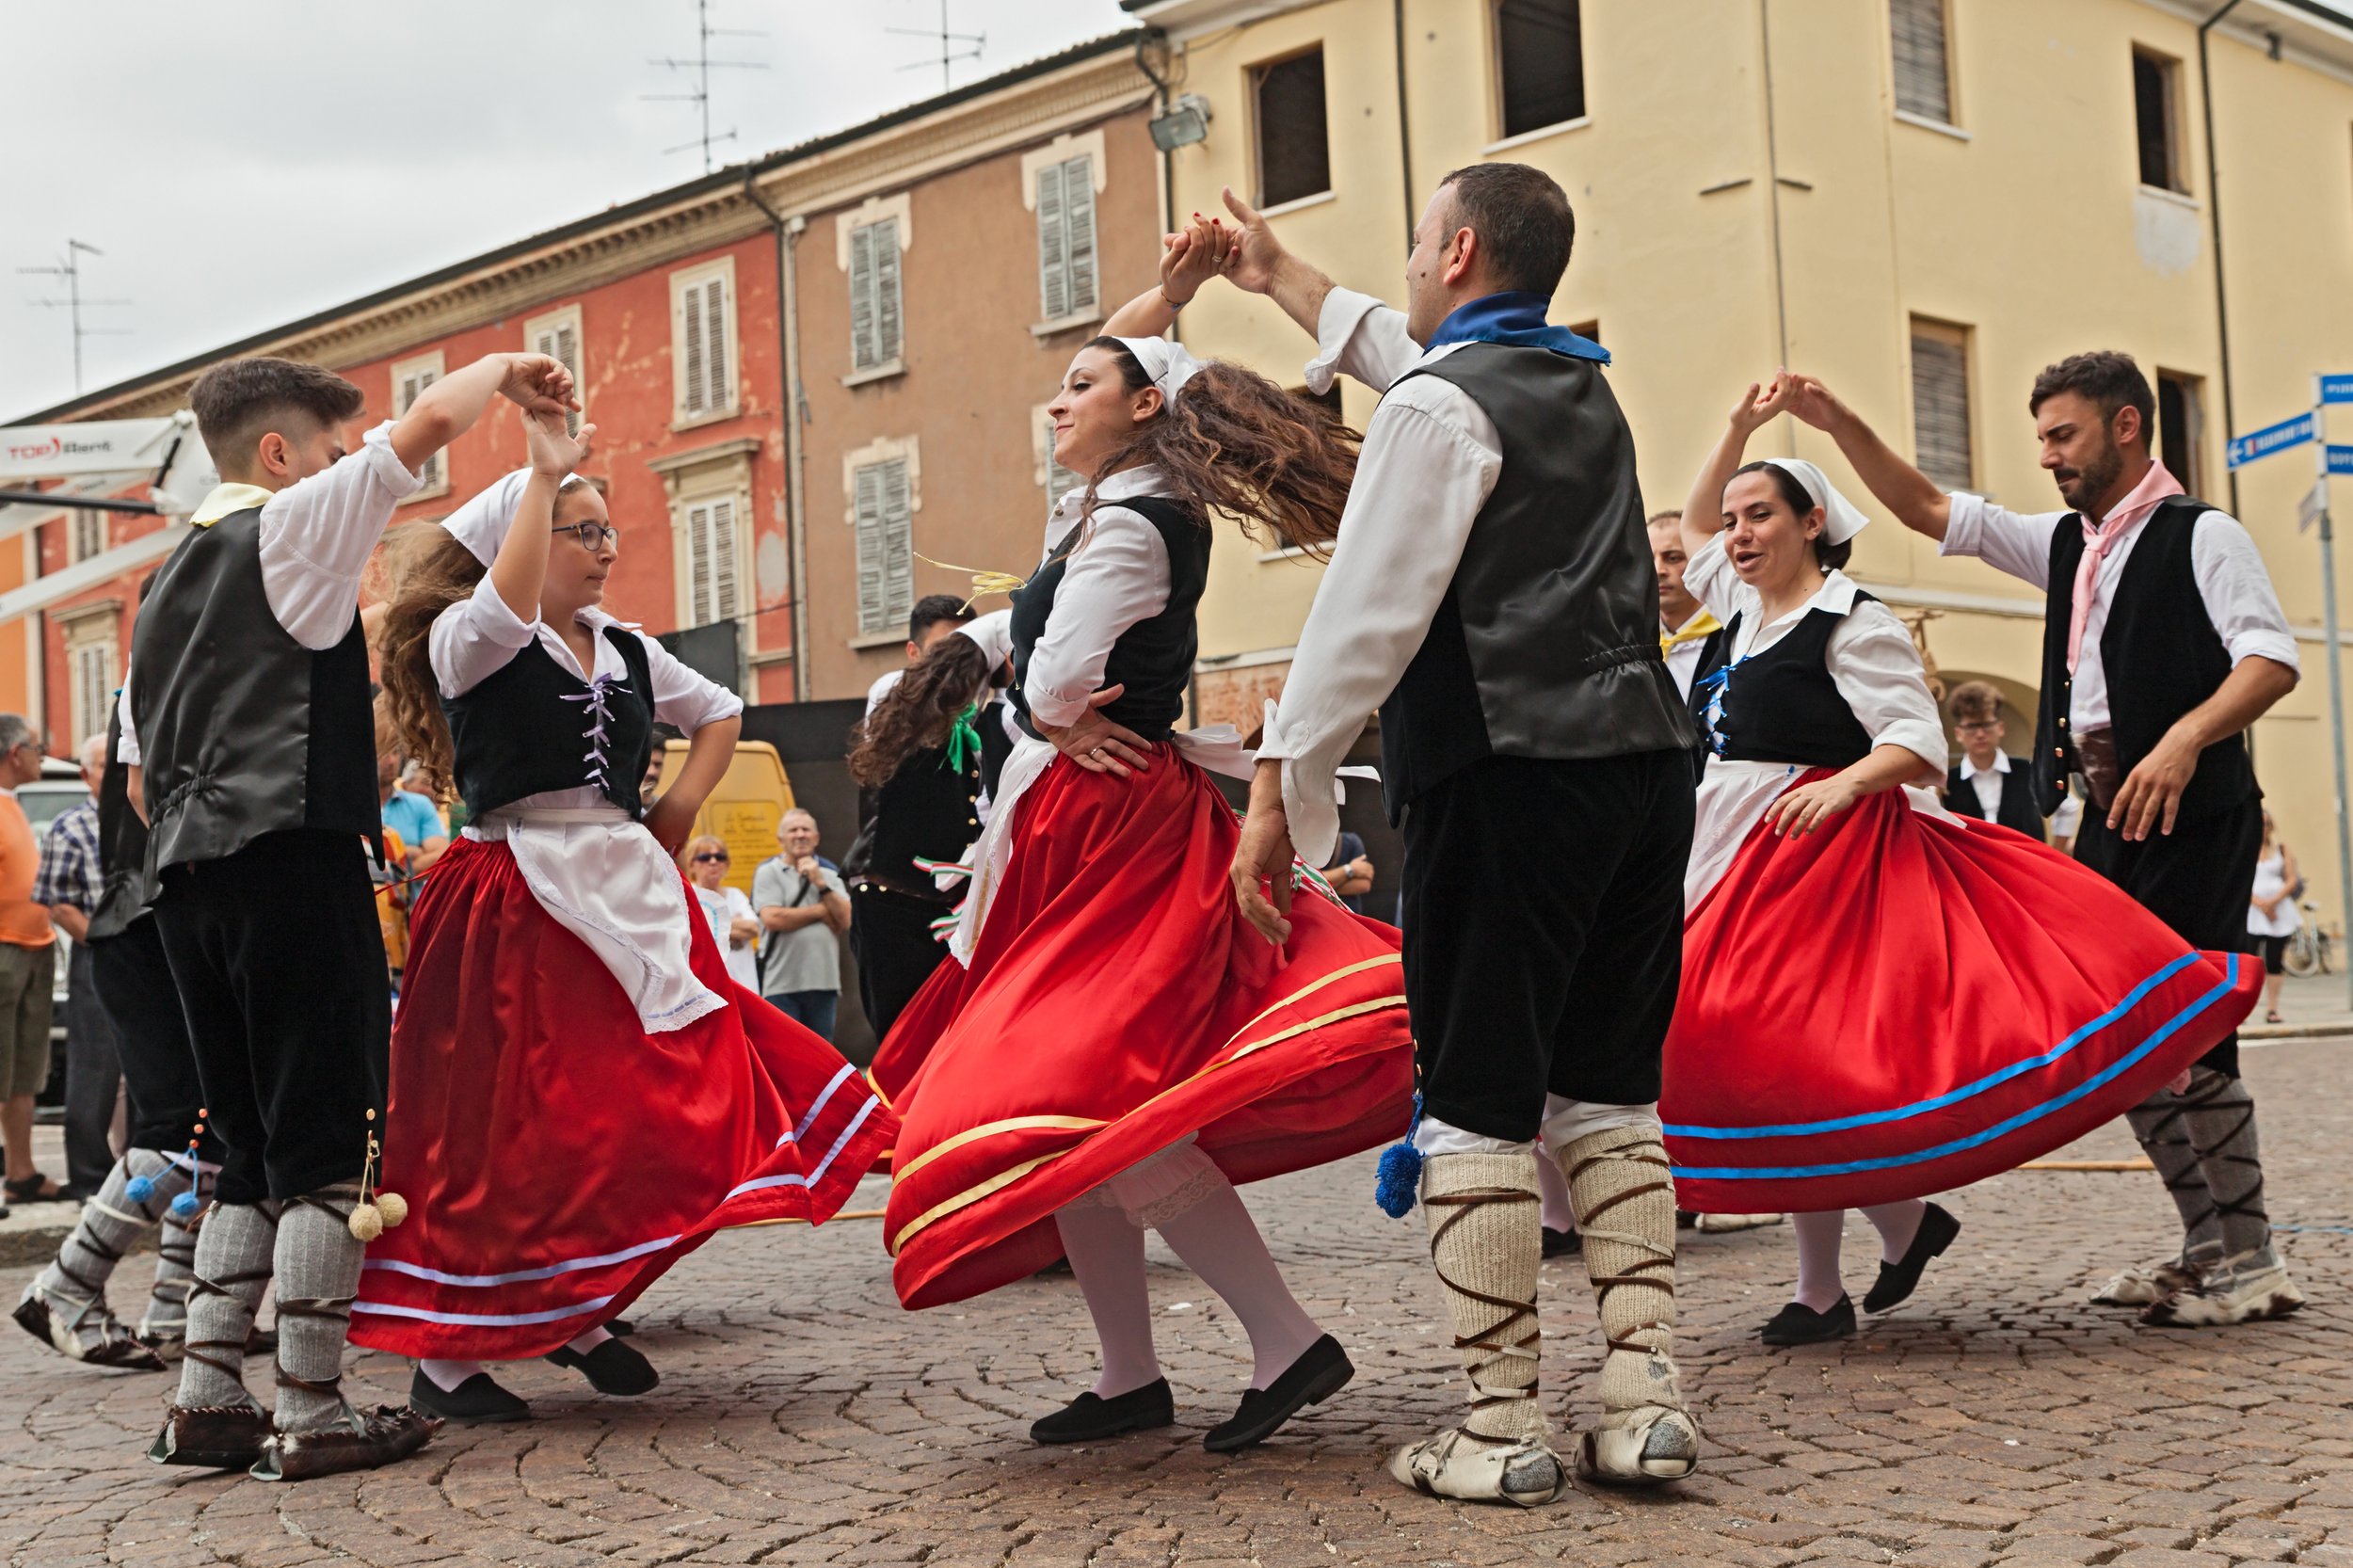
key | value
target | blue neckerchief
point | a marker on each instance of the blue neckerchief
(1515, 318)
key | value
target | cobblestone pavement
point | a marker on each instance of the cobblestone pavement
(803, 1417)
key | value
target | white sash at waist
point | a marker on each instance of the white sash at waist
(603, 877)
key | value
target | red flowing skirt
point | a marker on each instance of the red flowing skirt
(1893, 1006)
(556, 1158)
(1117, 1001)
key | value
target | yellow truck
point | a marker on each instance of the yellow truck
(743, 812)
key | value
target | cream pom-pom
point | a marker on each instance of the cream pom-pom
(366, 1223)
(392, 1206)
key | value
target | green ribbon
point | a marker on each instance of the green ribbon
(961, 737)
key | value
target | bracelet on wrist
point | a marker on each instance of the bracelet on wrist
(1173, 304)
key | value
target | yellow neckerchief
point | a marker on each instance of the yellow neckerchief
(226, 498)
(1692, 630)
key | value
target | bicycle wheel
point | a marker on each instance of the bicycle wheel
(2305, 956)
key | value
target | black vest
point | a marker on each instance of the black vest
(2159, 652)
(926, 810)
(242, 729)
(126, 887)
(1152, 659)
(530, 728)
(1781, 705)
(2017, 810)
(1547, 642)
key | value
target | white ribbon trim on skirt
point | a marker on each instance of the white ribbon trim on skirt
(603, 877)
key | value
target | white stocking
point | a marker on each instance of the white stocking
(1106, 1254)
(1819, 1238)
(1218, 1241)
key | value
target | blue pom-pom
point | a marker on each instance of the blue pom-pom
(186, 1205)
(1398, 1187)
(141, 1188)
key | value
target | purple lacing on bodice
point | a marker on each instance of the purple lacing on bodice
(598, 697)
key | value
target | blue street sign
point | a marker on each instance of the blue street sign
(2273, 438)
(2336, 388)
(2340, 458)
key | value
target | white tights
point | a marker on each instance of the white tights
(1214, 1237)
(1820, 1234)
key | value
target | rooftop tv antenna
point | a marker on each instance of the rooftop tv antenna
(948, 40)
(69, 269)
(702, 65)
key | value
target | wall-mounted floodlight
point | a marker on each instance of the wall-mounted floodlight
(1186, 122)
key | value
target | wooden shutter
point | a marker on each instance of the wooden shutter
(1079, 225)
(720, 550)
(1053, 245)
(718, 348)
(862, 348)
(435, 474)
(698, 564)
(695, 377)
(93, 688)
(1940, 404)
(1923, 75)
(887, 319)
(873, 609)
(898, 542)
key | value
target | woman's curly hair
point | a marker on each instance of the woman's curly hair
(1233, 441)
(920, 710)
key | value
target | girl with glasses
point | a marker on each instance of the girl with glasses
(583, 1090)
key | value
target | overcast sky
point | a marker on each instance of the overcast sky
(243, 163)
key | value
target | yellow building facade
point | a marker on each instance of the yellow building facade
(1923, 201)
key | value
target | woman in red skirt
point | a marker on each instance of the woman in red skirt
(1115, 1049)
(581, 1095)
(1881, 1001)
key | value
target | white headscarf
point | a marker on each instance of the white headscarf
(1842, 520)
(481, 525)
(1168, 364)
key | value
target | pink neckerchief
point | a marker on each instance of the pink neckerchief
(2155, 486)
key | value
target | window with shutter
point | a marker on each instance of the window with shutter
(697, 359)
(410, 381)
(93, 678)
(1066, 238)
(558, 335)
(1924, 81)
(1940, 404)
(702, 342)
(87, 534)
(1540, 57)
(718, 347)
(1294, 141)
(875, 315)
(713, 570)
(883, 512)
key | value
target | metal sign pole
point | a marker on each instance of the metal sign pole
(2336, 678)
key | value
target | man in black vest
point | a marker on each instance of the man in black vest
(249, 727)
(1983, 784)
(1493, 593)
(2163, 641)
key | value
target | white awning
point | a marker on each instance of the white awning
(84, 575)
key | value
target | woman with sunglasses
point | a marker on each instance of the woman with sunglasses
(735, 923)
(580, 1092)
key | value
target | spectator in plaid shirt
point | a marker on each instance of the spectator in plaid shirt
(69, 882)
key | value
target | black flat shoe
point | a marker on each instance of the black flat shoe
(1322, 1370)
(1091, 1417)
(613, 1367)
(1898, 1280)
(1562, 1243)
(1800, 1325)
(619, 1328)
(477, 1399)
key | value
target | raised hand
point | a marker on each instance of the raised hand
(539, 384)
(1256, 254)
(555, 451)
(1192, 256)
(1810, 401)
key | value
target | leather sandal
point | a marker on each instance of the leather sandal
(36, 1188)
(212, 1438)
(354, 1443)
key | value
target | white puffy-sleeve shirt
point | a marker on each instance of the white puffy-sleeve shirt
(1871, 657)
(2233, 584)
(1117, 576)
(1430, 460)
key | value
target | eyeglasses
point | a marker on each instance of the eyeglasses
(708, 855)
(592, 536)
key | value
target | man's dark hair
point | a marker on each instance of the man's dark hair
(237, 402)
(2109, 378)
(1522, 218)
(932, 609)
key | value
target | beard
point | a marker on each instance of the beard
(2082, 488)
